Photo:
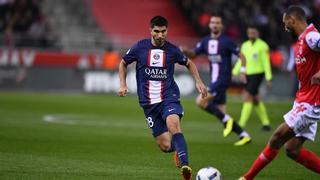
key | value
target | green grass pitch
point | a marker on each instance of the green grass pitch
(70, 136)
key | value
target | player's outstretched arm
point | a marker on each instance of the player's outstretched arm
(199, 84)
(123, 76)
(316, 78)
(189, 53)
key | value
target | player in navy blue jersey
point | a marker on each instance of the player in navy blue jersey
(219, 49)
(158, 93)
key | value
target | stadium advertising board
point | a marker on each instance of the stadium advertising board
(58, 71)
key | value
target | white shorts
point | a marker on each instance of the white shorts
(303, 120)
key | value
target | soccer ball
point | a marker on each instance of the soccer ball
(209, 173)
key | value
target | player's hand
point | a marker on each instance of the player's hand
(202, 89)
(123, 91)
(243, 78)
(269, 84)
(315, 79)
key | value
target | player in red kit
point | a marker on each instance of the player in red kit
(301, 121)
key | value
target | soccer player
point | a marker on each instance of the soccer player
(219, 49)
(158, 93)
(256, 52)
(301, 121)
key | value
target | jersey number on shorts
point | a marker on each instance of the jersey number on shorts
(150, 121)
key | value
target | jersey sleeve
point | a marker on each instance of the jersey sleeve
(266, 62)
(131, 55)
(199, 48)
(180, 57)
(234, 49)
(313, 40)
(237, 66)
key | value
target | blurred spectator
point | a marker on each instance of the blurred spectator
(204, 19)
(111, 59)
(233, 31)
(276, 58)
(22, 23)
(4, 11)
(317, 4)
(21, 16)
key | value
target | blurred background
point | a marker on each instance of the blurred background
(76, 45)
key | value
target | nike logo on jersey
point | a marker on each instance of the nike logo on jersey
(171, 109)
(156, 58)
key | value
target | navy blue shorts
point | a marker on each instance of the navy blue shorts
(218, 90)
(156, 115)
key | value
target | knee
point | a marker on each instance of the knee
(173, 124)
(255, 101)
(292, 152)
(248, 97)
(201, 103)
(275, 141)
(293, 149)
(165, 146)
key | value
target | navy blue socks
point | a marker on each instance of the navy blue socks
(180, 146)
(213, 109)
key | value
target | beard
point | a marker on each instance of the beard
(215, 31)
(293, 35)
(159, 41)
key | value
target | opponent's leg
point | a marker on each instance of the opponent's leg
(296, 151)
(309, 160)
(280, 136)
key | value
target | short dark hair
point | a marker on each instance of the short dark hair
(158, 21)
(296, 11)
(253, 26)
(216, 14)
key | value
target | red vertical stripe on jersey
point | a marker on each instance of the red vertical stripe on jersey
(148, 91)
(161, 91)
(149, 54)
(164, 59)
(218, 47)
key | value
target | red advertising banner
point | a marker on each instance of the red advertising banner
(32, 58)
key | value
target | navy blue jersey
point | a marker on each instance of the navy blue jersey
(154, 71)
(219, 51)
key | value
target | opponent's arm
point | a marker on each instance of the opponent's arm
(313, 41)
(123, 76)
(315, 79)
(199, 84)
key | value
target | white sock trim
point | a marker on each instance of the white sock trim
(244, 134)
(226, 118)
